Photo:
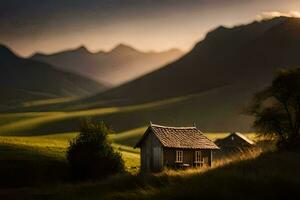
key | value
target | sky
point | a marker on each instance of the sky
(47, 26)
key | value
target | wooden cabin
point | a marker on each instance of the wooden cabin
(174, 147)
(235, 142)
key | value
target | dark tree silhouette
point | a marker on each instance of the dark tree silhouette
(277, 109)
(90, 154)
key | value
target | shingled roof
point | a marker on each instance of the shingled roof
(180, 137)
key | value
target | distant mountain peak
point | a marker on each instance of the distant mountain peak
(82, 48)
(123, 48)
(79, 50)
(221, 28)
(115, 66)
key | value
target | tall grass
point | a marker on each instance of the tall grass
(251, 175)
(256, 175)
(243, 176)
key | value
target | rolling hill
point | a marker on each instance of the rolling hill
(121, 64)
(237, 61)
(209, 86)
(24, 79)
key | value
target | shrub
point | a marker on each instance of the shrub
(90, 154)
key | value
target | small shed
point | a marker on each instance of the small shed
(174, 147)
(235, 142)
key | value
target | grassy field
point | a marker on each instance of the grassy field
(257, 175)
(179, 111)
(26, 160)
(54, 146)
(34, 165)
(43, 118)
(47, 102)
(33, 144)
(39, 160)
(48, 133)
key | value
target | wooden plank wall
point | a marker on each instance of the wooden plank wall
(151, 154)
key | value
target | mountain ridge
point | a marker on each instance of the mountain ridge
(210, 46)
(122, 63)
(245, 57)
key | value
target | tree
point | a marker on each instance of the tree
(277, 109)
(90, 154)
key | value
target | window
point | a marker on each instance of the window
(198, 157)
(179, 156)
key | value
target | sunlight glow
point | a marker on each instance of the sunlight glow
(272, 14)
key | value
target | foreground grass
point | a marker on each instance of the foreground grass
(30, 156)
(39, 160)
(272, 175)
(21, 165)
(255, 178)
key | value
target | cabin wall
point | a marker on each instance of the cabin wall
(169, 155)
(145, 163)
(151, 154)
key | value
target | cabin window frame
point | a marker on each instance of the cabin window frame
(179, 156)
(198, 157)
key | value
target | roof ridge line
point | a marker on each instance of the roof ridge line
(174, 127)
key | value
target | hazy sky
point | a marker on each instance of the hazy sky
(51, 25)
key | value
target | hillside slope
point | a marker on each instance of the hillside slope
(32, 79)
(246, 56)
(226, 56)
(121, 64)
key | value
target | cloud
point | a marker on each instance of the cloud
(272, 14)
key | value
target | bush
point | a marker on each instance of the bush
(90, 154)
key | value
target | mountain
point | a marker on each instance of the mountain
(224, 70)
(121, 64)
(25, 79)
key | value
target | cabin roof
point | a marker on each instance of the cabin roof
(179, 137)
(243, 137)
(239, 135)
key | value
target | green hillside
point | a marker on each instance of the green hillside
(24, 80)
(31, 161)
(180, 111)
(10, 97)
